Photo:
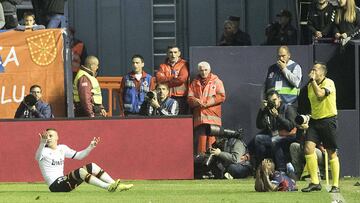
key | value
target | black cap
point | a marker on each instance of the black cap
(285, 13)
(234, 18)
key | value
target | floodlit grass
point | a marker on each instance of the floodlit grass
(174, 191)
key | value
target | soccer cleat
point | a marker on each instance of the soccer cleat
(312, 187)
(123, 187)
(112, 187)
(334, 189)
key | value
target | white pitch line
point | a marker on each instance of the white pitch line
(337, 198)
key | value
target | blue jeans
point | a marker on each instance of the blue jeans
(267, 146)
(238, 170)
(56, 20)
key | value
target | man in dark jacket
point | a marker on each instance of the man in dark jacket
(9, 7)
(52, 11)
(276, 121)
(40, 109)
(320, 18)
(282, 32)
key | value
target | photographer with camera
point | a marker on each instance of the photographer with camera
(322, 126)
(159, 103)
(276, 120)
(227, 157)
(32, 106)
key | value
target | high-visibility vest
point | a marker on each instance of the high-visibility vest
(96, 90)
(287, 92)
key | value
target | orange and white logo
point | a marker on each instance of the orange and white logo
(42, 48)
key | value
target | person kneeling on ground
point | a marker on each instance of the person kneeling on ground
(227, 158)
(51, 158)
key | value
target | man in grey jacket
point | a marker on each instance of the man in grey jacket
(9, 7)
(233, 161)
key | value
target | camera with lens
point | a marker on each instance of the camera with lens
(302, 119)
(150, 95)
(30, 100)
(270, 104)
(221, 132)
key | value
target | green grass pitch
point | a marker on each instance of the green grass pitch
(175, 191)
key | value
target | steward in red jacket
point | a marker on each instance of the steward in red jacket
(175, 73)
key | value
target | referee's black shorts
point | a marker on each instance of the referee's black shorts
(323, 131)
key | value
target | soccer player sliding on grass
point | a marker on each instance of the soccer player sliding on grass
(51, 158)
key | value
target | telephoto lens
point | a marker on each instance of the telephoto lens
(302, 119)
(150, 95)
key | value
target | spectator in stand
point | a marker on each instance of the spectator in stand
(206, 94)
(9, 7)
(284, 76)
(347, 20)
(39, 11)
(87, 92)
(232, 35)
(53, 11)
(33, 106)
(2, 18)
(159, 103)
(175, 73)
(320, 18)
(134, 87)
(29, 19)
(79, 52)
(282, 32)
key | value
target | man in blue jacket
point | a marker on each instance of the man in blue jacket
(36, 108)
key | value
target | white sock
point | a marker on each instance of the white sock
(104, 177)
(97, 182)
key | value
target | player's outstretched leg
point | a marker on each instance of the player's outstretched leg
(95, 170)
(92, 180)
(100, 174)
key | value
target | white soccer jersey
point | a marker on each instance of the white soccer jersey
(51, 162)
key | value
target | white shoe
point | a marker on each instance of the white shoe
(228, 176)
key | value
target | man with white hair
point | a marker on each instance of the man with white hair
(206, 94)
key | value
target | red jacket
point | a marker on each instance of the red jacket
(211, 96)
(177, 77)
